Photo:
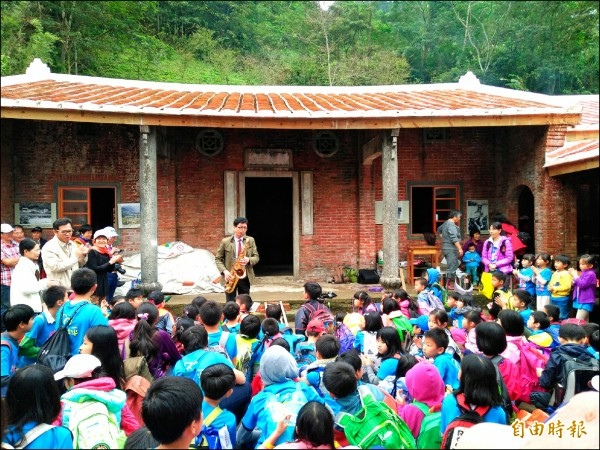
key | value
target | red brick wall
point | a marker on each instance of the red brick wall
(491, 163)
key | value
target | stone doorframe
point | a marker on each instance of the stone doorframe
(242, 175)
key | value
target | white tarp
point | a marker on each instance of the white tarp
(178, 263)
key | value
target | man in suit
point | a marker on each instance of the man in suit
(228, 252)
(36, 235)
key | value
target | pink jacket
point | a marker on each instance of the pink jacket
(123, 327)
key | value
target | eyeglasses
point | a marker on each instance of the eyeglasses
(242, 227)
(65, 231)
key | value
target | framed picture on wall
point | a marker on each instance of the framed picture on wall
(35, 214)
(128, 215)
(478, 216)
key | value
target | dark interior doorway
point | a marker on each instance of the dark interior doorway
(269, 206)
(102, 204)
(527, 217)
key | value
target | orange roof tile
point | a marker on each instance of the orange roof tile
(457, 104)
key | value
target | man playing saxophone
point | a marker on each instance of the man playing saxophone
(236, 257)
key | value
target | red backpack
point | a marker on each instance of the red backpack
(322, 313)
(467, 418)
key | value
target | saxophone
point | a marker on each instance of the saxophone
(238, 271)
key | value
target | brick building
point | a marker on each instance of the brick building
(317, 170)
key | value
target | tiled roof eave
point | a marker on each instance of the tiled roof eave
(564, 116)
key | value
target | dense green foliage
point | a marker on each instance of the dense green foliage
(541, 46)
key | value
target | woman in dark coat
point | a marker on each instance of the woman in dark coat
(101, 262)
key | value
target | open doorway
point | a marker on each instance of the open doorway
(269, 210)
(527, 217)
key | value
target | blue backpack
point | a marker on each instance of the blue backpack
(209, 437)
(280, 405)
(304, 355)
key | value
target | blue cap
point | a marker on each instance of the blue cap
(422, 322)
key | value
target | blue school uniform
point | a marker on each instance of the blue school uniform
(86, 317)
(43, 326)
(450, 411)
(230, 345)
(388, 367)
(448, 368)
(57, 437)
(526, 280)
(542, 280)
(525, 314)
(9, 360)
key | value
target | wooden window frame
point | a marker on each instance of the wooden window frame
(439, 212)
(65, 211)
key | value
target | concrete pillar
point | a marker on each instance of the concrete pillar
(148, 210)
(389, 171)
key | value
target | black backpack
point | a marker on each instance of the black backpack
(467, 418)
(56, 351)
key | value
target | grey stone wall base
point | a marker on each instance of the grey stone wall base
(390, 283)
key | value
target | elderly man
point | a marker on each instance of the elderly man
(61, 255)
(10, 258)
(451, 248)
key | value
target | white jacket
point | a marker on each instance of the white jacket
(60, 261)
(25, 287)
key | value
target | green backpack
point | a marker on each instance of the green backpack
(430, 434)
(375, 424)
(443, 291)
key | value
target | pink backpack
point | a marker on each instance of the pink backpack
(531, 359)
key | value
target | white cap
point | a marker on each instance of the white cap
(111, 232)
(6, 228)
(102, 232)
(78, 366)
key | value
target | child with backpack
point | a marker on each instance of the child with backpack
(464, 304)
(33, 401)
(435, 343)
(231, 314)
(221, 341)
(122, 319)
(426, 388)
(343, 333)
(408, 306)
(537, 325)
(433, 278)
(362, 420)
(247, 342)
(280, 396)
(584, 286)
(553, 376)
(491, 340)
(155, 345)
(93, 409)
(420, 326)
(18, 320)
(363, 303)
(327, 349)
(438, 318)
(426, 299)
(218, 425)
(314, 430)
(476, 400)
(44, 325)
(312, 308)
(306, 351)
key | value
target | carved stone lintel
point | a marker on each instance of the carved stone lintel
(146, 288)
(390, 283)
